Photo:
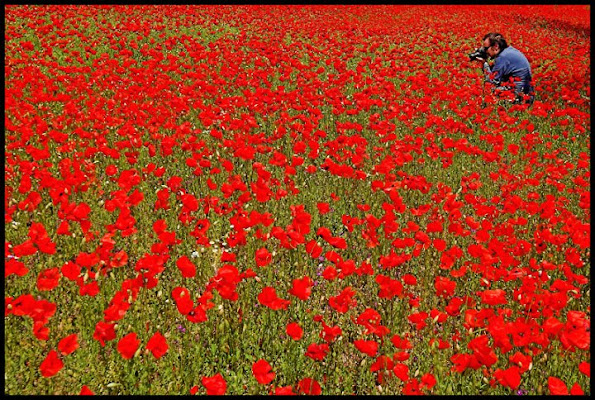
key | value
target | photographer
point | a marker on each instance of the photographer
(510, 72)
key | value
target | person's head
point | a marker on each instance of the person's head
(494, 43)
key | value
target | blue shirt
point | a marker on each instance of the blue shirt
(510, 63)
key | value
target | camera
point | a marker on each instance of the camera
(480, 52)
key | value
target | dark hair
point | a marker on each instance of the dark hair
(496, 38)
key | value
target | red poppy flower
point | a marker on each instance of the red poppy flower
(382, 363)
(337, 242)
(89, 289)
(189, 202)
(509, 377)
(128, 345)
(157, 345)
(284, 391)
(71, 270)
(438, 316)
(317, 351)
(302, 288)
(13, 266)
(263, 257)
(262, 371)
(40, 237)
(268, 297)
(419, 319)
(409, 279)
(85, 391)
(313, 249)
(26, 248)
(389, 288)
(48, 279)
(68, 344)
(323, 208)
(401, 371)
(557, 386)
(585, 368)
(428, 381)
(521, 360)
(51, 365)
(444, 286)
(368, 347)
(493, 297)
(343, 301)
(439, 244)
(463, 361)
(294, 331)
(330, 333)
(186, 267)
(483, 353)
(330, 273)
(104, 332)
(412, 388)
(309, 386)
(576, 390)
(226, 281)
(41, 331)
(183, 300)
(117, 308)
(87, 260)
(215, 385)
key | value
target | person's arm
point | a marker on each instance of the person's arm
(491, 75)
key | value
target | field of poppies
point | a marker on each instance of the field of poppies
(294, 200)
